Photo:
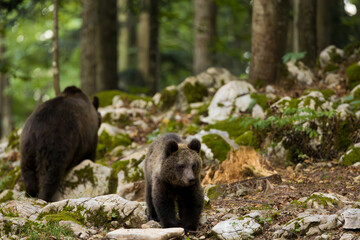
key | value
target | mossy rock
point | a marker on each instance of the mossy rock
(351, 156)
(353, 74)
(106, 97)
(327, 93)
(351, 48)
(132, 169)
(168, 98)
(14, 140)
(192, 129)
(7, 197)
(260, 99)
(195, 93)
(218, 146)
(9, 181)
(106, 143)
(248, 138)
(343, 136)
(234, 126)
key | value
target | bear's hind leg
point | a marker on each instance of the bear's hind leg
(151, 209)
(28, 173)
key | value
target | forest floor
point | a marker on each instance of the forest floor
(324, 177)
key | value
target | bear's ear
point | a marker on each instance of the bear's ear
(171, 147)
(195, 145)
(96, 102)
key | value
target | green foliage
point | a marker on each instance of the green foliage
(195, 93)
(51, 229)
(351, 48)
(7, 197)
(353, 74)
(106, 143)
(192, 129)
(293, 56)
(218, 146)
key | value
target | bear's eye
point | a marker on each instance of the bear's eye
(181, 166)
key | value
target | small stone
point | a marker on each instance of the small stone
(352, 219)
(146, 234)
(347, 236)
(237, 229)
(151, 224)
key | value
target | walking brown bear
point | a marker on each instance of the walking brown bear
(57, 136)
(172, 175)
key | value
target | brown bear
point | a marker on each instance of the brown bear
(172, 176)
(57, 136)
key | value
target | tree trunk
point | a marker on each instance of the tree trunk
(268, 43)
(106, 45)
(148, 53)
(307, 31)
(55, 62)
(123, 46)
(204, 34)
(6, 124)
(99, 46)
(88, 47)
(327, 20)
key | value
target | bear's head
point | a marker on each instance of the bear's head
(181, 164)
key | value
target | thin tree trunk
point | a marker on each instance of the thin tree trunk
(296, 26)
(204, 34)
(106, 45)
(269, 31)
(307, 31)
(123, 19)
(6, 124)
(88, 47)
(327, 20)
(55, 62)
(148, 53)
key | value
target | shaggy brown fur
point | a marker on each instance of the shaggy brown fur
(57, 136)
(172, 175)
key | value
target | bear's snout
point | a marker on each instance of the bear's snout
(191, 180)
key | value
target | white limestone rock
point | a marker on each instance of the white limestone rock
(102, 210)
(301, 73)
(352, 219)
(235, 93)
(237, 229)
(146, 234)
(326, 55)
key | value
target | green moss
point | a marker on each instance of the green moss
(322, 200)
(201, 111)
(113, 182)
(106, 97)
(167, 99)
(195, 93)
(352, 157)
(8, 213)
(98, 218)
(353, 74)
(192, 129)
(248, 138)
(331, 67)
(14, 140)
(260, 99)
(66, 216)
(356, 94)
(218, 146)
(351, 48)
(132, 171)
(343, 135)
(327, 93)
(107, 143)
(83, 176)
(9, 181)
(213, 192)
(234, 126)
(7, 197)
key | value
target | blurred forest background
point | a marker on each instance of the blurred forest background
(142, 46)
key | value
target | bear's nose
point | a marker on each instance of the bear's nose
(191, 180)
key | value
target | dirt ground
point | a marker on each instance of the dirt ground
(325, 177)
